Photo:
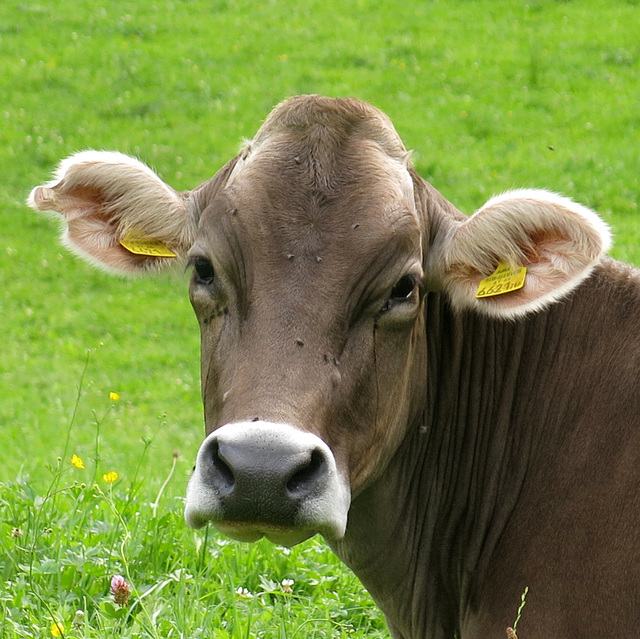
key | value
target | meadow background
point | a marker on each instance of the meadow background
(491, 95)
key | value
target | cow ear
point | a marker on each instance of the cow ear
(555, 239)
(119, 214)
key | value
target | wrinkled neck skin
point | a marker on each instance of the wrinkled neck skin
(428, 534)
(417, 536)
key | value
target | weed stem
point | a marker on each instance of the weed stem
(154, 505)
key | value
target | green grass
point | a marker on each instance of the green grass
(62, 546)
(490, 95)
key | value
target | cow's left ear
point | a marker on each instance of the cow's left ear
(555, 239)
(119, 214)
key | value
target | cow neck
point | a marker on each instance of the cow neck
(422, 537)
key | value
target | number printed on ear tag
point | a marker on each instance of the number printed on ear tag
(153, 248)
(502, 280)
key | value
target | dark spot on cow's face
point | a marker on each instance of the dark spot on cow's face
(218, 312)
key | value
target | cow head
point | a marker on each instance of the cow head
(313, 252)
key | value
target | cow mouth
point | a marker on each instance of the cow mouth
(251, 532)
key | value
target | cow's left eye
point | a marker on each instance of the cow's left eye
(403, 291)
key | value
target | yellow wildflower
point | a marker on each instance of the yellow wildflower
(77, 461)
(57, 629)
(110, 477)
(114, 397)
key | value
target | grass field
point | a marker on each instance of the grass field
(490, 95)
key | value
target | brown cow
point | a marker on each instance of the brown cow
(455, 439)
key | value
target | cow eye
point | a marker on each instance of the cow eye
(401, 292)
(403, 288)
(203, 270)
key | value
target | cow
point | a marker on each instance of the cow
(452, 402)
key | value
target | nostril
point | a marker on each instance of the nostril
(304, 478)
(223, 475)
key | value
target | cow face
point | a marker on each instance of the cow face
(308, 285)
(312, 252)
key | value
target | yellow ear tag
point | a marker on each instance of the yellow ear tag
(502, 280)
(140, 246)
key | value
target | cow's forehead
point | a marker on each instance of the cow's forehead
(288, 203)
(326, 145)
(325, 184)
(340, 118)
(338, 172)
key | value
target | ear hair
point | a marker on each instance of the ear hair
(104, 195)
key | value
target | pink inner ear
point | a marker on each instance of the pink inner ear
(94, 238)
(92, 230)
(76, 200)
(102, 195)
(71, 202)
(556, 263)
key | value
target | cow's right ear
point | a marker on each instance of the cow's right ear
(119, 214)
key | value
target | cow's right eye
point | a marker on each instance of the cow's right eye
(203, 270)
